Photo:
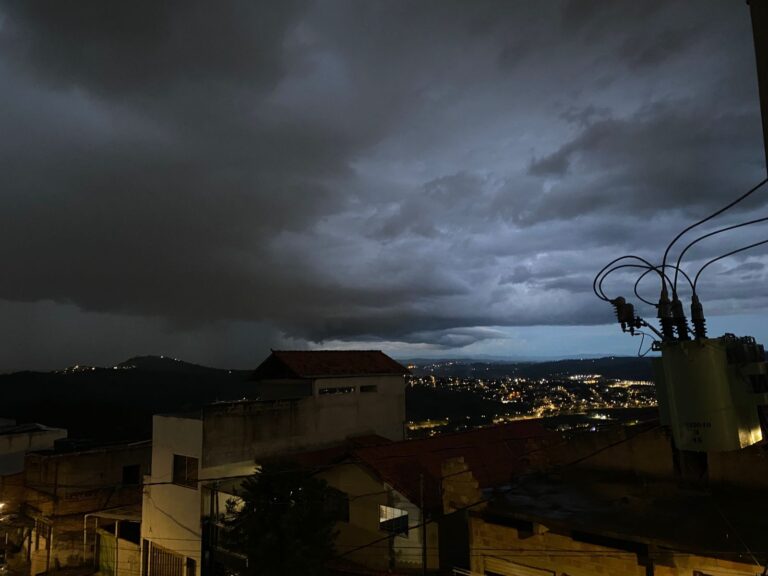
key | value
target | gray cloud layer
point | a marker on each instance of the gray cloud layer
(300, 172)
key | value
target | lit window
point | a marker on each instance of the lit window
(339, 390)
(393, 520)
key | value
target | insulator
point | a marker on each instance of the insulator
(681, 323)
(697, 318)
(665, 316)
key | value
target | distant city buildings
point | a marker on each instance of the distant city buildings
(517, 397)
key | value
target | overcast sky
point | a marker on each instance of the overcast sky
(433, 178)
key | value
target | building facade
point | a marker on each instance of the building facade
(302, 400)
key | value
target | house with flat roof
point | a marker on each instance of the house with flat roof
(66, 487)
(301, 400)
(624, 501)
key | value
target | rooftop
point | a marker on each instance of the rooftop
(75, 446)
(662, 515)
(494, 454)
(27, 429)
(293, 364)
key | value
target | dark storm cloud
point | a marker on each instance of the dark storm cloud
(668, 155)
(144, 47)
(355, 172)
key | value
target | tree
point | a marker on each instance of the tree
(283, 521)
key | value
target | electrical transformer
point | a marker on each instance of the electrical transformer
(709, 390)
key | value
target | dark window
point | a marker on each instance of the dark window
(190, 567)
(393, 520)
(132, 474)
(130, 531)
(369, 388)
(337, 505)
(185, 471)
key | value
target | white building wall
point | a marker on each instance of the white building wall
(13, 447)
(171, 514)
(238, 432)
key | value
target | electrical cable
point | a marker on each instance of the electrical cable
(736, 532)
(713, 215)
(611, 263)
(644, 274)
(705, 236)
(696, 278)
(648, 269)
(639, 348)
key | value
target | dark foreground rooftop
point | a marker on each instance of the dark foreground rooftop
(622, 511)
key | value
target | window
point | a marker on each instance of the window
(369, 388)
(393, 520)
(185, 471)
(340, 390)
(131, 475)
(163, 562)
(337, 504)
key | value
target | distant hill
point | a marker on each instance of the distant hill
(116, 403)
(168, 364)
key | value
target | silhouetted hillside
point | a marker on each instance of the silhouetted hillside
(168, 364)
(116, 403)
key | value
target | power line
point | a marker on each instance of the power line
(731, 253)
(705, 236)
(713, 215)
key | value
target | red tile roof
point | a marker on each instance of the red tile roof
(494, 455)
(326, 363)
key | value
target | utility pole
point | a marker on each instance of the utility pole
(117, 547)
(759, 11)
(53, 518)
(423, 526)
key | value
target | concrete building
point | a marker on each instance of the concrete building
(624, 502)
(399, 489)
(300, 401)
(394, 509)
(18, 439)
(67, 487)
